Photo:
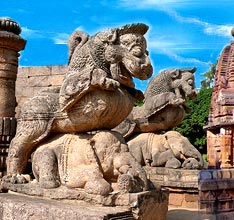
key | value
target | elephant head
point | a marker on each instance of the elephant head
(184, 151)
(118, 164)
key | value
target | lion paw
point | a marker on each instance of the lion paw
(17, 178)
(111, 84)
(177, 101)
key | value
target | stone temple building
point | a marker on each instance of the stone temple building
(220, 128)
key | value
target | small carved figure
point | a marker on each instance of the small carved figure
(171, 150)
(164, 105)
(92, 162)
(97, 92)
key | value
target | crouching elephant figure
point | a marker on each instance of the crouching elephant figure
(95, 162)
(171, 150)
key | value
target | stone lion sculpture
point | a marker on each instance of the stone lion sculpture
(171, 150)
(164, 108)
(90, 161)
(97, 91)
(164, 105)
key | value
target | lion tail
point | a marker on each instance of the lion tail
(76, 40)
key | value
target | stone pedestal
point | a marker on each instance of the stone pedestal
(144, 206)
(10, 45)
(182, 185)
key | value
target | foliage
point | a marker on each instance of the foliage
(192, 125)
(208, 82)
(139, 103)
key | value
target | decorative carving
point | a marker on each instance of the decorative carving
(97, 93)
(171, 150)
(88, 161)
(220, 122)
(164, 105)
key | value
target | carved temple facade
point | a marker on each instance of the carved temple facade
(220, 128)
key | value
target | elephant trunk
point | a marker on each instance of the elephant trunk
(127, 164)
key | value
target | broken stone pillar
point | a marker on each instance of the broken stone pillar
(10, 45)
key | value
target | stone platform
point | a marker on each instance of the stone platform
(21, 207)
(182, 185)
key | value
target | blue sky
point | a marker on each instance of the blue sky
(182, 33)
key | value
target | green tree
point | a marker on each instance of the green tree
(192, 125)
(208, 82)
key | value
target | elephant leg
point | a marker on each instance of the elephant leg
(161, 158)
(96, 184)
(173, 163)
(28, 134)
(45, 168)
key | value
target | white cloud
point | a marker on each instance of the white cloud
(155, 4)
(221, 30)
(61, 38)
(58, 38)
(167, 5)
(208, 28)
(182, 59)
(29, 33)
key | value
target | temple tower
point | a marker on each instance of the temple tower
(10, 45)
(220, 128)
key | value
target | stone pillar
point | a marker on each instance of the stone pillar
(10, 45)
(226, 147)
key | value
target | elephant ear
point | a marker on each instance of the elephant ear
(76, 41)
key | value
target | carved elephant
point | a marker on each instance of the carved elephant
(164, 105)
(171, 150)
(93, 162)
(97, 92)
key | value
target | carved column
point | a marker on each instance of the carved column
(226, 147)
(10, 45)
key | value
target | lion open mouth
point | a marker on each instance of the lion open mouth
(125, 77)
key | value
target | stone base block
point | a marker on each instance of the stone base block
(182, 185)
(216, 193)
(147, 205)
(183, 199)
(24, 207)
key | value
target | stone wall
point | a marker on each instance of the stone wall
(182, 185)
(30, 80)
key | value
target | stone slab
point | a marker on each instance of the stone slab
(146, 205)
(25, 207)
(177, 178)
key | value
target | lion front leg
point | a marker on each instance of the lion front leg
(28, 134)
(100, 79)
